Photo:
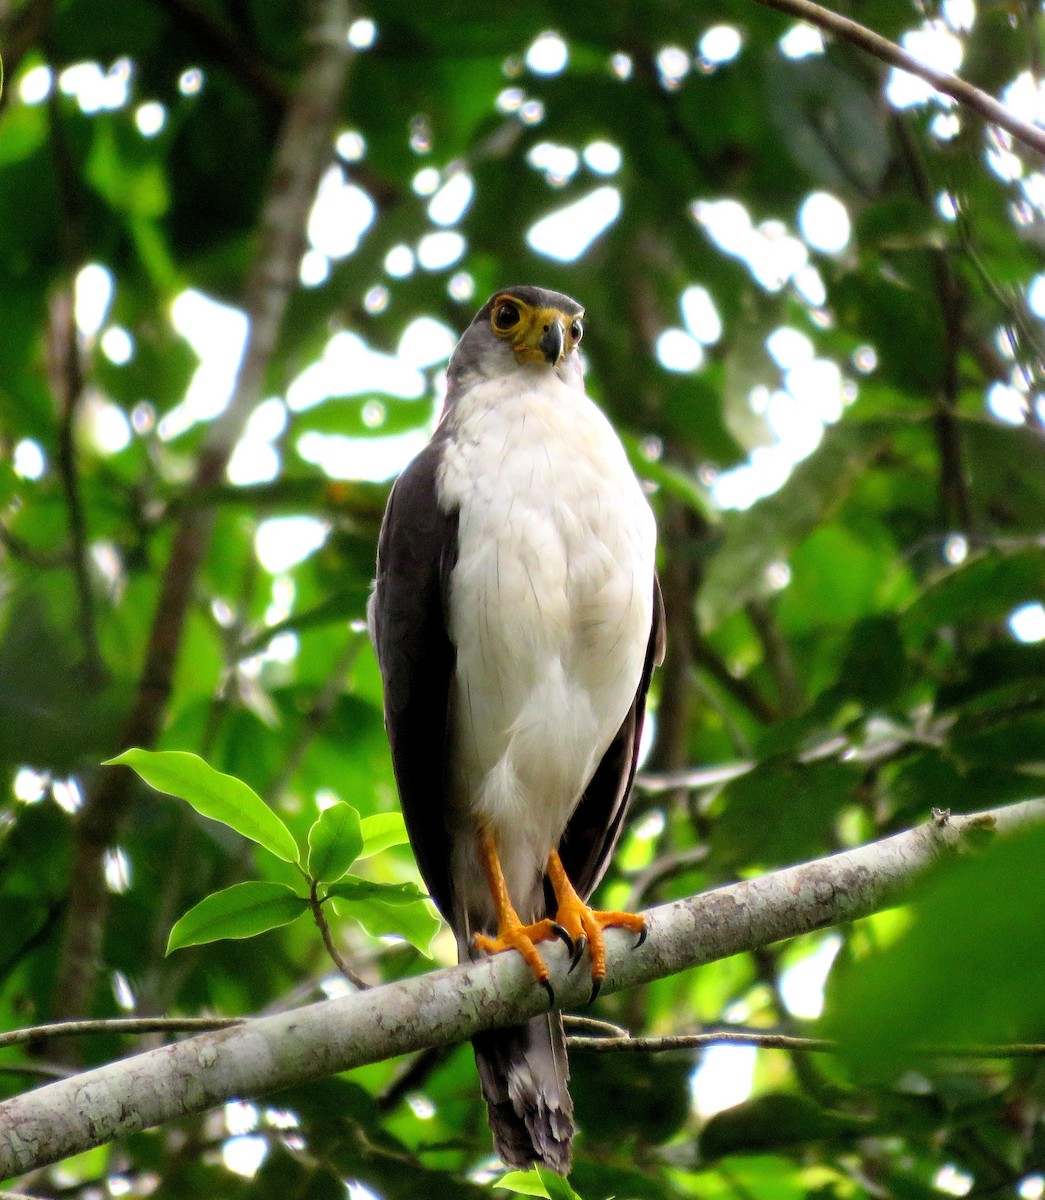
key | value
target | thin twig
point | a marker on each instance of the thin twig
(889, 52)
(43, 560)
(20, 31)
(741, 689)
(316, 718)
(955, 502)
(66, 379)
(319, 916)
(413, 1076)
(666, 866)
(35, 1033)
(593, 1025)
(783, 1041)
(778, 656)
(692, 779)
(699, 1041)
(226, 48)
(39, 1070)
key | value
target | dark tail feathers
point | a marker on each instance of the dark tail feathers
(524, 1076)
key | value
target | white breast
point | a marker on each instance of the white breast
(550, 607)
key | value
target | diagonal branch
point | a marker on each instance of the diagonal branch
(449, 1005)
(222, 45)
(943, 81)
(302, 153)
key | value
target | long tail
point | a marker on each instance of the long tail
(524, 1076)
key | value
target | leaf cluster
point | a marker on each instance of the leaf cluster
(336, 840)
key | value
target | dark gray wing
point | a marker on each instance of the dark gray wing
(416, 552)
(589, 839)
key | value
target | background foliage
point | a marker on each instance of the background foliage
(845, 646)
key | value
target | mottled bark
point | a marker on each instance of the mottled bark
(450, 1005)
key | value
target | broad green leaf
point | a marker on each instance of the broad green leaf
(241, 911)
(334, 842)
(522, 1183)
(212, 794)
(387, 908)
(775, 1121)
(782, 812)
(381, 831)
(966, 970)
(356, 890)
(986, 587)
(557, 1187)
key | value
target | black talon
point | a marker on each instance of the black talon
(578, 952)
(560, 932)
(643, 932)
(596, 987)
(546, 984)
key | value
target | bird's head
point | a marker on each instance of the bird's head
(521, 327)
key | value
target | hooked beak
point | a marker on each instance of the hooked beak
(543, 340)
(551, 342)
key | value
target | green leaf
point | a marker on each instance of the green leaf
(387, 908)
(986, 587)
(381, 831)
(774, 1121)
(537, 1182)
(241, 911)
(558, 1188)
(334, 842)
(212, 794)
(522, 1183)
(357, 890)
(782, 812)
(967, 969)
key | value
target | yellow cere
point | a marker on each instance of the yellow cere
(525, 325)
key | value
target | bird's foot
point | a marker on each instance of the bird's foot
(585, 926)
(524, 938)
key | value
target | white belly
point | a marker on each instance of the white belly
(550, 611)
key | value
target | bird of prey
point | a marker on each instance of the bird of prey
(517, 619)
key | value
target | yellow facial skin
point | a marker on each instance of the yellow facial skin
(537, 335)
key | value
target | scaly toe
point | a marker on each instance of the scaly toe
(524, 939)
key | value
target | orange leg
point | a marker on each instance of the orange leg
(512, 934)
(587, 924)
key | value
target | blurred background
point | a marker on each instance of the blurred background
(815, 316)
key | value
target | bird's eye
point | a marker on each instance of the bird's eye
(576, 332)
(506, 316)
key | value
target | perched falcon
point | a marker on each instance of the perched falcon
(517, 619)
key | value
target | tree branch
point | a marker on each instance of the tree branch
(768, 1040)
(449, 1005)
(889, 52)
(117, 1025)
(700, 1041)
(65, 372)
(225, 48)
(304, 148)
(322, 925)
